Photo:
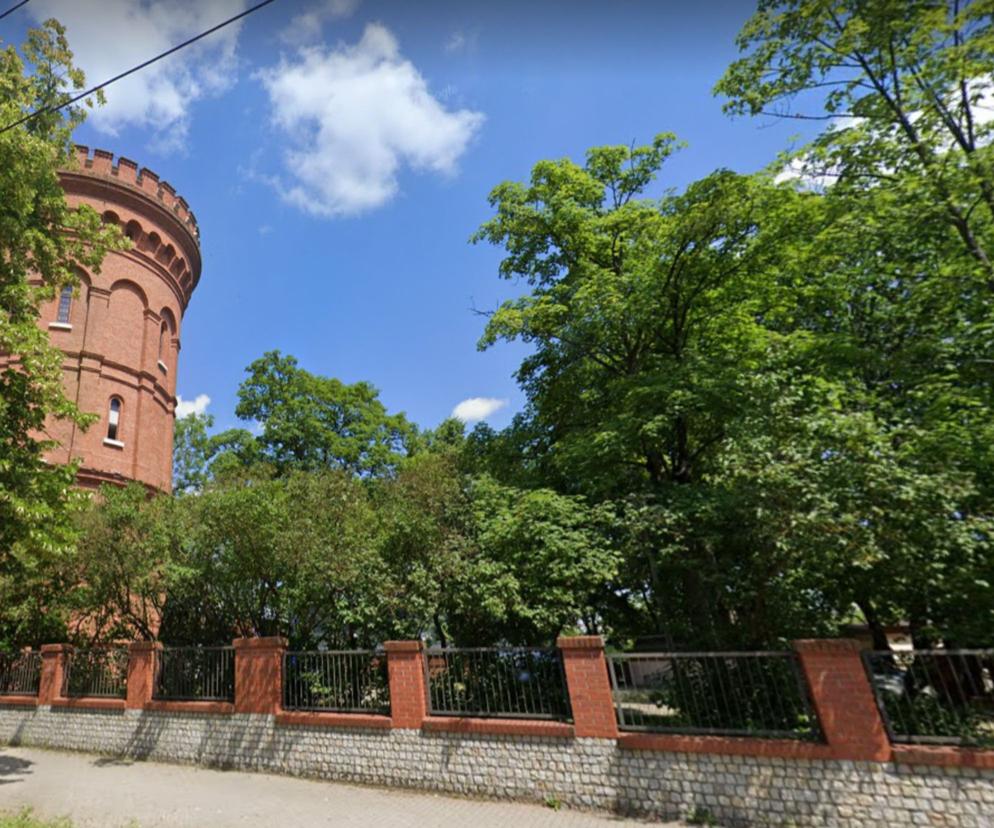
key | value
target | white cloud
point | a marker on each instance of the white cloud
(812, 174)
(198, 405)
(460, 41)
(808, 176)
(110, 36)
(306, 26)
(477, 408)
(354, 115)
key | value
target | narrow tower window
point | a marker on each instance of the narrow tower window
(65, 305)
(163, 333)
(113, 418)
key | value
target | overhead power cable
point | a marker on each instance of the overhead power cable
(13, 8)
(45, 110)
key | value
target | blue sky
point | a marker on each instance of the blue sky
(338, 155)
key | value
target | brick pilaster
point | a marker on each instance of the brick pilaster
(141, 673)
(844, 699)
(589, 686)
(259, 674)
(53, 665)
(408, 695)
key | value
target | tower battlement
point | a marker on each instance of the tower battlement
(125, 171)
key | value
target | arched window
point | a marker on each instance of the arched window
(113, 418)
(65, 305)
(163, 341)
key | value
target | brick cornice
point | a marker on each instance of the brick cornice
(366, 721)
(507, 727)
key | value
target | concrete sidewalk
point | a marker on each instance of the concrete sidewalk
(100, 792)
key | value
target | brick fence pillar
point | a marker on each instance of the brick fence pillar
(141, 673)
(589, 686)
(53, 665)
(259, 674)
(844, 699)
(408, 694)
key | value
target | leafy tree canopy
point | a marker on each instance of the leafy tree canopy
(43, 243)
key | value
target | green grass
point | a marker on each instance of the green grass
(25, 819)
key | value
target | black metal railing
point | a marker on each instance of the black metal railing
(98, 672)
(509, 682)
(195, 674)
(346, 681)
(20, 674)
(935, 696)
(758, 694)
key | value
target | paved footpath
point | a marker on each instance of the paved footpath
(99, 792)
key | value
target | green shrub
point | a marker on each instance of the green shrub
(26, 819)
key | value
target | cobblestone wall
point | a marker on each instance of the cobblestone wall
(581, 772)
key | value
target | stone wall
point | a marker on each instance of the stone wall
(581, 772)
(852, 776)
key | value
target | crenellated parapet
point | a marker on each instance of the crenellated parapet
(162, 228)
(126, 171)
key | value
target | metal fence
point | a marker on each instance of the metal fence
(935, 696)
(195, 674)
(758, 694)
(20, 674)
(509, 682)
(99, 672)
(347, 681)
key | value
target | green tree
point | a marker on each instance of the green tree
(538, 562)
(193, 450)
(294, 556)
(130, 556)
(904, 86)
(313, 422)
(894, 287)
(42, 244)
(651, 352)
(472, 561)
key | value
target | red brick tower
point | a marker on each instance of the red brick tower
(120, 329)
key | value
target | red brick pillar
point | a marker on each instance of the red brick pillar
(53, 665)
(844, 699)
(141, 673)
(408, 694)
(259, 674)
(589, 686)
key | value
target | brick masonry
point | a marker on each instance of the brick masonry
(122, 335)
(582, 772)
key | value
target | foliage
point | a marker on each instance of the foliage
(770, 388)
(904, 86)
(314, 422)
(757, 408)
(26, 819)
(337, 681)
(539, 558)
(326, 558)
(895, 286)
(193, 449)
(130, 552)
(43, 243)
(294, 556)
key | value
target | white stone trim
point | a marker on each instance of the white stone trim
(163, 367)
(113, 443)
(60, 326)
